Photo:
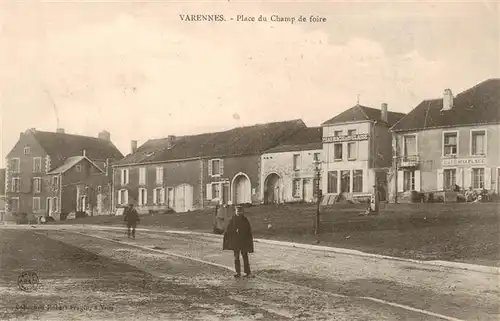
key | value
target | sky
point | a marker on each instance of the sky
(140, 72)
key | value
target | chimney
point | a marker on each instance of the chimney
(84, 152)
(60, 130)
(384, 114)
(447, 99)
(133, 146)
(170, 141)
(104, 135)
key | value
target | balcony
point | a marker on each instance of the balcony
(410, 161)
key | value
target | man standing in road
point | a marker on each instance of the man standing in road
(238, 238)
(131, 217)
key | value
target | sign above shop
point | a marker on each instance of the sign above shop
(345, 138)
(463, 161)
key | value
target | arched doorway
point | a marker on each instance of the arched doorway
(272, 189)
(242, 189)
(183, 198)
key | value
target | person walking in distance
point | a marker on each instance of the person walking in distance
(131, 217)
(238, 238)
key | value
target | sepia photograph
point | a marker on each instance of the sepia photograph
(250, 160)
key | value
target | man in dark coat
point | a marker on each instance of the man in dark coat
(131, 217)
(238, 238)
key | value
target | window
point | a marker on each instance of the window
(78, 168)
(55, 182)
(351, 151)
(15, 165)
(16, 185)
(124, 176)
(345, 182)
(450, 144)
(296, 188)
(478, 140)
(36, 204)
(410, 145)
(14, 204)
(337, 152)
(215, 191)
(142, 176)
(337, 133)
(55, 204)
(450, 179)
(159, 175)
(296, 162)
(37, 184)
(37, 164)
(99, 189)
(351, 132)
(27, 150)
(316, 157)
(216, 167)
(143, 196)
(332, 182)
(123, 197)
(159, 196)
(357, 181)
(477, 177)
(408, 181)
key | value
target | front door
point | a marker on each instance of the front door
(170, 197)
(225, 193)
(308, 190)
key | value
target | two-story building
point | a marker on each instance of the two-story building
(449, 143)
(288, 171)
(357, 152)
(44, 167)
(184, 173)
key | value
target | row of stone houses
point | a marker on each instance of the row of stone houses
(441, 144)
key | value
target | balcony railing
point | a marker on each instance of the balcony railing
(409, 161)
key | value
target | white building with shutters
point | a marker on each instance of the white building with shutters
(450, 143)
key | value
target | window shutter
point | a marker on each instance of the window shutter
(209, 192)
(487, 178)
(126, 196)
(145, 197)
(400, 181)
(162, 196)
(119, 197)
(468, 178)
(439, 186)
(221, 167)
(140, 196)
(459, 177)
(155, 193)
(417, 181)
(210, 168)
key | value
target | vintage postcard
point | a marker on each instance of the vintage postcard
(249, 160)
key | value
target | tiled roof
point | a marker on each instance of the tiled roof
(363, 113)
(306, 139)
(70, 162)
(477, 105)
(248, 140)
(2, 181)
(66, 145)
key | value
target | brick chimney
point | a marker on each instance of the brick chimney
(170, 141)
(447, 99)
(60, 130)
(384, 114)
(133, 146)
(104, 135)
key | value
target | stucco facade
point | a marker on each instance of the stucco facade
(159, 186)
(289, 176)
(428, 161)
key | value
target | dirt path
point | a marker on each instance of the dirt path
(123, 282)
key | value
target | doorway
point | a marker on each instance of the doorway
(272, 189)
